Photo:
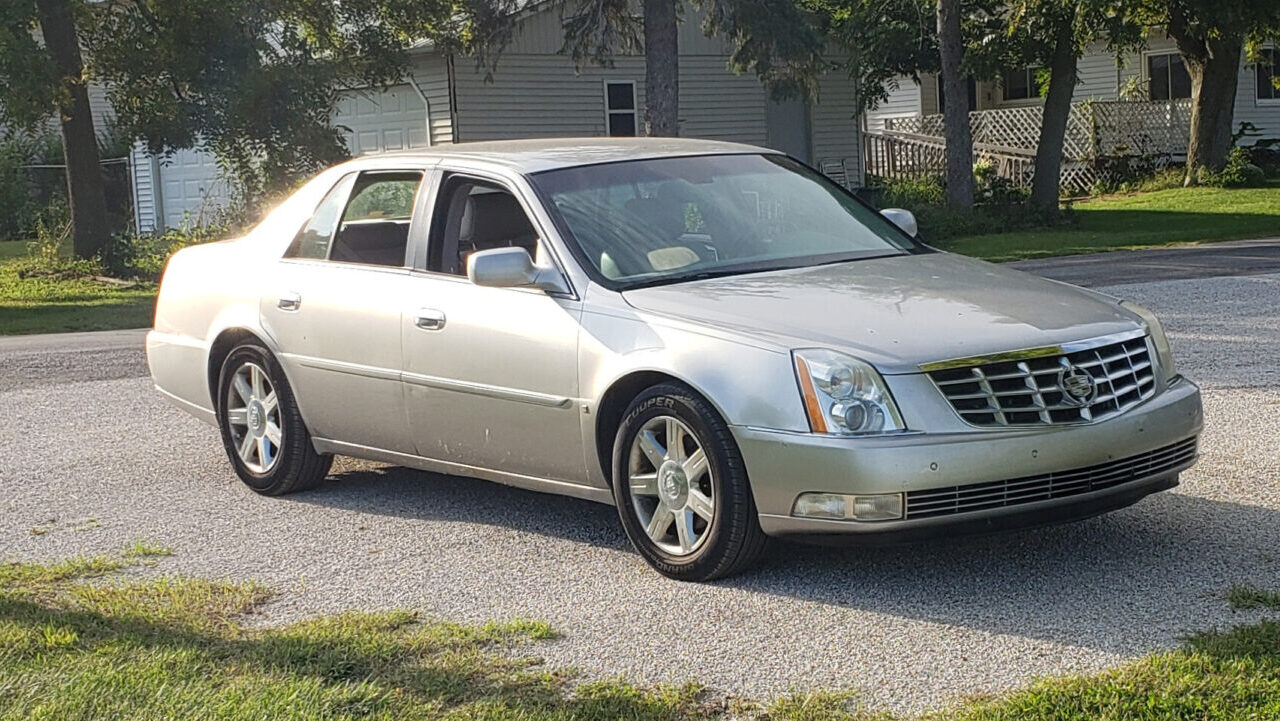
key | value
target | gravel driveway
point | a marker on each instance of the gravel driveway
(91, 458)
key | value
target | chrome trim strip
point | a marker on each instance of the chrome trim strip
(532, 483)
(1027, 353)
(488, 391)
(355, 369)
(445, 384)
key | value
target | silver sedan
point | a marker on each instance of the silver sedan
(712, 337)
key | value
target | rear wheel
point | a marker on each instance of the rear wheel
(681, 487)
(262, 431)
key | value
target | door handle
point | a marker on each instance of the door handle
(289, 301)
(429, 319)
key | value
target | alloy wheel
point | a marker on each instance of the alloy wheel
(253, 415)
(670, 485)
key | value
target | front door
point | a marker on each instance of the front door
(491, 374)
(335, 310)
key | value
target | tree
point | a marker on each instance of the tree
(1212, 36)
(774, 39)
(254, 82)
(1053, 35)
(47, 79)
(882, 41)
(955, 114)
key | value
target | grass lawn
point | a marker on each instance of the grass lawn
(1163, 217)
(80, 641)
(44, 305)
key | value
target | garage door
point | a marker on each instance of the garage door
(379, 121)
(193, 188)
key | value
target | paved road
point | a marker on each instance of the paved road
(91, 456)
(1244, 257)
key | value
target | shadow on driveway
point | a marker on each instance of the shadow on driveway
(1093, 584)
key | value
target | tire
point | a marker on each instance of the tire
(650, 480)
(267, 428)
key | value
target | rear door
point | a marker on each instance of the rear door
(335, 309)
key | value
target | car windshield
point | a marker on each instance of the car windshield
(667, 220)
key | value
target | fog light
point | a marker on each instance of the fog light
(835, 506)
(821, 505)
(884, 507)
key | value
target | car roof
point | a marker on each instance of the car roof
(537, 155)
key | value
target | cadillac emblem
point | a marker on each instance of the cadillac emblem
(1077, 385)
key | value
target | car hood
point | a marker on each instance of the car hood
(896, 312)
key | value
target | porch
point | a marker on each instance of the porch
(1099, 136)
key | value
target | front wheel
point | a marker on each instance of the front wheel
(263, 433)
(681, 487)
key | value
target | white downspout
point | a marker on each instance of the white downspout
(426, 106)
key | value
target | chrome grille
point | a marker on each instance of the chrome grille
(1035, 390)
(1060, 484)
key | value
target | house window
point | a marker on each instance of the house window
(1268, 72)
(1167, 77)
(620, 108)
(1020, 83)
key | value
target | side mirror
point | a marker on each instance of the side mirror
(511, 268)
(903, 219)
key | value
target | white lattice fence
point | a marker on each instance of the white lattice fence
(1141, 128)
(1096, 131)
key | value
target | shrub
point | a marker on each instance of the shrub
(912, 193)
(999, 205)
(142, 257)
(1266, 155)
(21, 199)
(1239, 172)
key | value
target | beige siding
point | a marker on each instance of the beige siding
(543, 96)
(536, 96)
(1098, 75)
(432, 75)
(720, 105)
(904, 100)
(835, 125)
(103, 114)
(542, 32)
(1265, 114)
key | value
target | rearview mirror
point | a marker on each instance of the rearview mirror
(904, 219)
(511, 268)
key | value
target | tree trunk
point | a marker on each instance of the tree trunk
(79, 142)
(661, 69)
(1213, 72)
(1046, 182)
(959, 138)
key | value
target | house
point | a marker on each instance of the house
(1138, 107)
(1156, 73)
(537, 92)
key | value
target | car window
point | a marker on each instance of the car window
(314, 239)
(473, 215)
(666, 220)
(383, 196)
(364, 219)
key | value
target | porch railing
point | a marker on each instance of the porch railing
(1096, 129)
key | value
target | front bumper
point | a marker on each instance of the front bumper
(783, 465)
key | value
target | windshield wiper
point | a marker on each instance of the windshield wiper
(700, 275)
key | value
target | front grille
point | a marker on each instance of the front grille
(1036, 390)
(1061, 484)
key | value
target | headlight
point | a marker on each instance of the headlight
(1163, 354)
(843, 395)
